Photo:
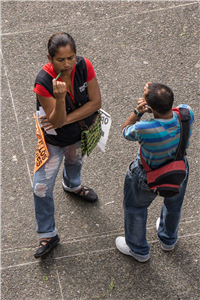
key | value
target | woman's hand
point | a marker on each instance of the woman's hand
(45, 124)
(59, 90)
(54, 108)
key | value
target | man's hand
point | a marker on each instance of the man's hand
(146, 86)
(133, 118)
(141, 107)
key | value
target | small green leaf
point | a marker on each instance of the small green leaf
(111, 286)
(45, 278)
(183, 33)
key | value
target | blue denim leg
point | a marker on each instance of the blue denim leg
(171, 214)
(137, 197)
(43, 184)
(72, 167)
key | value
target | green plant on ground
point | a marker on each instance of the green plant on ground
(111, 286)
(45, 278)
(183, 33)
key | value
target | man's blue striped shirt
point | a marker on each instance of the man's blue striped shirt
(158, 138)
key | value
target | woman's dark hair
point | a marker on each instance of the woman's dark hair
(160, 97)
(60, 39)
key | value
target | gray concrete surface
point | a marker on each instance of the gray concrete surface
(129, 43)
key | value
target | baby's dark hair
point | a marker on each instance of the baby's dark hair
(160, 97)
(60, 39)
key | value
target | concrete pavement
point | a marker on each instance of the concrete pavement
(129, 43)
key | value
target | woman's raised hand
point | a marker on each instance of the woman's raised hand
(59, 89)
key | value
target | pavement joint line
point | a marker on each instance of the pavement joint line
(74, 238)
(59, 284)
(67, 241)
(79, 238)
(82, 238)
(15, 113)
(84, 253)
(57, 258)
(103, 19)
(87, 253)
(170, 7)
(183, 219)
(187, 222)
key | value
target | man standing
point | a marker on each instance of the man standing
(158, 139)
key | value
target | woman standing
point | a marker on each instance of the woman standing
(79, 81)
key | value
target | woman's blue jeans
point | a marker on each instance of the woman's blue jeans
(44, 181)
(137, 198)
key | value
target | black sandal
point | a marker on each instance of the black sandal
(91, 195)
(47, 247)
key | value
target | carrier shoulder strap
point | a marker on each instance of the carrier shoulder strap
(145, 166)
(184, 117)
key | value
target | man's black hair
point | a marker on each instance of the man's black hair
(160, 97)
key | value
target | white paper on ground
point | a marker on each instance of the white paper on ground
(105, 127)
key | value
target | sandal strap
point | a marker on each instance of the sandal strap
(91, 196)
(82, 189)
(41, 242)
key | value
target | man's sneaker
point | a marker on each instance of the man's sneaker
(163, 246)
(125, 249)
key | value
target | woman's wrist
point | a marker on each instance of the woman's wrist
(60, 100)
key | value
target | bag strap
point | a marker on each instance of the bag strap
(184, 118)
(73, 107)
(145, 166)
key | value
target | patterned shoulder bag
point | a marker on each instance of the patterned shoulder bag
(91, 135)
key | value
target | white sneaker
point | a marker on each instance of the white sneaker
(163, 246)
(125, 249)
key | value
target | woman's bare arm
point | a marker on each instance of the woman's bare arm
(54, 108)
(88, 108)
(84, 111)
